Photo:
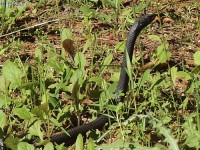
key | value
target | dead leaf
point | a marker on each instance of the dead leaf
(69, 47)
(148, 65)
(87, 101)
(168, 20)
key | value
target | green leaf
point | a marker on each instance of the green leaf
(57, 66)
(3, 49)
(85, 9)
(66, 34)
(48, 146)
(88, 43)
(80, 60)
(22, 113)
(155, 38)
(196, 70)
(38, 112)
(55, 122)
(11, 143)
(106, 62)
(165, 132)
(38, 54)
(120, 46)
(141, 6)
(79, 142)
(173, 74)
(5, 101)
(145, 77)
(3, 119)
(162, 53)
(185, 75)
(61, 147)
(35, 129)
(97, 80)
(12, 73)
(24, 146)
(91, 144)
(197, 57)
(193, 141)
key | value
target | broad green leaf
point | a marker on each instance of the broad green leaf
(193, 141)
(25, 146)
(91, 144)
(61, 147)
(141, 6)
(38, 112)
(22, 113)
(162, 53)
(79, 142)
(155, 38)
(166, 133)
(4, 84)
(115, 76)
(3, 119)
(87, 11)
(197, 57)
(12, 73)
(11, 143)
(185, 75)
(66, 34)
(35, 129)
(5, 101)
(97, 80)
(48, 146)
(57, 66)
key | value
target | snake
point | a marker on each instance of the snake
(122, 86)
(72, 134)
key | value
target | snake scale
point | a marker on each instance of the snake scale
(136, 28)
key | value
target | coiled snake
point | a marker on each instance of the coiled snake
(136, 28)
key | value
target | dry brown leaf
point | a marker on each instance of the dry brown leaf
(69, 47)
(87, 101)
(148, 65)
(168, 20)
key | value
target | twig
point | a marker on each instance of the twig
(36, 25)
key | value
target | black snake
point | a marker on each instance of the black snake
(139, 24)
(136, 28)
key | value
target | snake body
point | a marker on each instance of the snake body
(70, 138)
(136, 28)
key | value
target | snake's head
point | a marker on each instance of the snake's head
(145, 20)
